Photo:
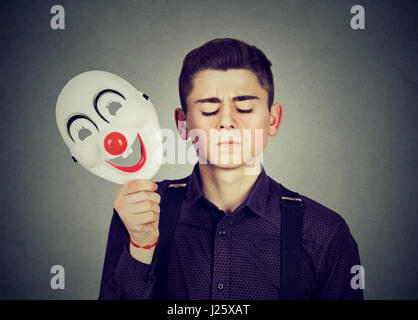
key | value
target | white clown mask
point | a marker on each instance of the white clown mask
(111, 128)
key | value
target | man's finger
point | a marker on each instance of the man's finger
(137, 185)
(143, 195)
(140, 207)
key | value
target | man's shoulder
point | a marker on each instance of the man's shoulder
(316, 211)
(319, 221)
(167, 183)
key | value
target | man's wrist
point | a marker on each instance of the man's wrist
(141, 254)
(145, 247)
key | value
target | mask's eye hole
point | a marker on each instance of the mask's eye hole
(109, 105)
(113, 107)
(82, 130)
(83, 133)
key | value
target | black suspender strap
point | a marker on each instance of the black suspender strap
(169, 211)
(291, 208)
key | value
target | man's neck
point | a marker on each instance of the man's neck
(227, 188)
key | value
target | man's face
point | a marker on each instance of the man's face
(231, 104)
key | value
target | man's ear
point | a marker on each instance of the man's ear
(276, 113)
(180, 119)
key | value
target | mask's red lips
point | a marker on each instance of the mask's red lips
(135, 167)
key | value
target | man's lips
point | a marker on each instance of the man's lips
(228, 142)
(138, 165)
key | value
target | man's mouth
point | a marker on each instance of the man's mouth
(229, 142)
(133, 159)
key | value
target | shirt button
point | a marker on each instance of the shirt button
(221, 232)
(220, 286)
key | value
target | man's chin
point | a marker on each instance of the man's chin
(229, 165)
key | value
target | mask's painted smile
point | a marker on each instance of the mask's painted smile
(136, 145)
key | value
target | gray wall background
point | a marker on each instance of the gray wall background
(348, 138)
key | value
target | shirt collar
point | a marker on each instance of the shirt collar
(194, 191)
(256, 200)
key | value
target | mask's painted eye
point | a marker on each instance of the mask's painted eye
(83, 133)
(113, 107)
(109, 104)
(82, 129)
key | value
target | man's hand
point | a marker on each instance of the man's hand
(138, 206)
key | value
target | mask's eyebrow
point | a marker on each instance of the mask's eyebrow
(96, 99)
(75, 117)
(217, 100)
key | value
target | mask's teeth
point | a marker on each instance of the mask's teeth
(127, 153)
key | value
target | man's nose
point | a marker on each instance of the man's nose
(226, 120)
(115, 143)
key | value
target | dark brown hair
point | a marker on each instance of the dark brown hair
(224, 54)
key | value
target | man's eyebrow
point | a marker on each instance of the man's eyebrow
(210, 100)
(217, 100)
(242, 98)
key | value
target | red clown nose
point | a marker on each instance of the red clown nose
(115, 143)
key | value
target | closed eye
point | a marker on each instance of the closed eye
(245, 111)
(214, 112)
(209, 113)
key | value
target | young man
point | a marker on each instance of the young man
(226, 241)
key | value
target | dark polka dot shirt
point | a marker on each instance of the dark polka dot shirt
(236, 256)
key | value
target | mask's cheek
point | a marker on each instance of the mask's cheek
(88, 154)
(132, 116)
